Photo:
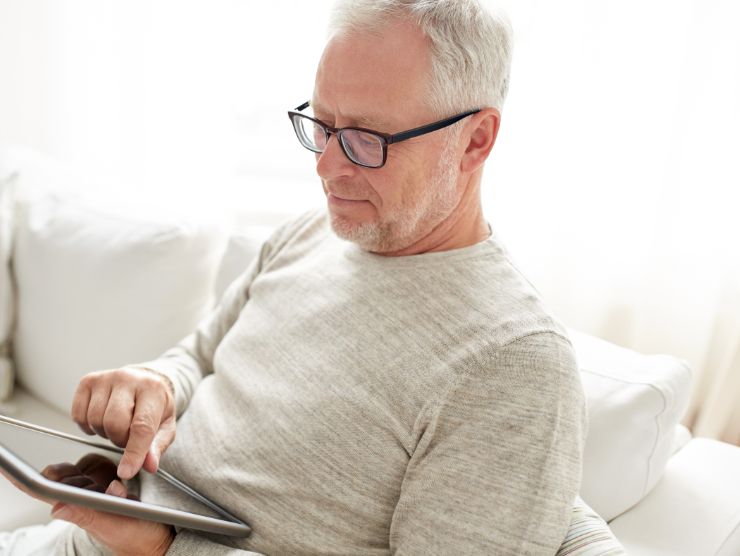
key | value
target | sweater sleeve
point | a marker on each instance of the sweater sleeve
(498, 458)
(191, 359)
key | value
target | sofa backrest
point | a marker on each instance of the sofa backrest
(100, 282)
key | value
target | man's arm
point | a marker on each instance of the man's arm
(188, 362)
(498, 460)
(136, 405)
(136, 408)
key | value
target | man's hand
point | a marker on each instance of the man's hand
(134, 408)
(123, 535)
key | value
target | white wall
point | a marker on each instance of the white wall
(614, 180)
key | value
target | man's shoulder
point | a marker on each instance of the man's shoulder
(304, 223)
(303, 228)
(493, 298)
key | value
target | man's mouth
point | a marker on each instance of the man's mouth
(333, 196)
(336, 200)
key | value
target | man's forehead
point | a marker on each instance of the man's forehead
(362, 118)
(373, 81)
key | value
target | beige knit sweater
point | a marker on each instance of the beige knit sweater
(346, 403)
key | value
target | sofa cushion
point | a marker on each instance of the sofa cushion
(244, 245)
(634, 404)
(695, 508)
(102, 285)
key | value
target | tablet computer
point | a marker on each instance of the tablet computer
(27, 449)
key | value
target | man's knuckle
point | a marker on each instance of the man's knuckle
(119, 377)
(96, 408)
(87, 381)
(85, 519)
(115, 426)
(142, 426)
(79, 415)
(94, 417)
(153, 383)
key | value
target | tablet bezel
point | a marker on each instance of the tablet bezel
(32, 479)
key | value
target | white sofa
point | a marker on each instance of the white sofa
(101, 284)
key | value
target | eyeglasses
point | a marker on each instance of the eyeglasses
(364, 147)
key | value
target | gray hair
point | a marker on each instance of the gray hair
(470, 46)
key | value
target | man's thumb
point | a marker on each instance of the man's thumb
(116, 488)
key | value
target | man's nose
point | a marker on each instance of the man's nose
(333, 163)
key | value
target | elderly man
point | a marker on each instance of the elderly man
(382, 379)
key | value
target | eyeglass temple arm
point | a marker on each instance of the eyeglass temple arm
(398, 137)
(421, 130)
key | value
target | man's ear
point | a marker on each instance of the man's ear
(481, 134)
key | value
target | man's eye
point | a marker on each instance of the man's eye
(368, 140)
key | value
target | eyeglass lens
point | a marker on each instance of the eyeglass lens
(361, 147)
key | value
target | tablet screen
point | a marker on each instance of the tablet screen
(75, 463)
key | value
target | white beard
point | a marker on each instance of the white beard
(413, 219)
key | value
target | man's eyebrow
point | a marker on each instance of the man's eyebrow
(361, 121)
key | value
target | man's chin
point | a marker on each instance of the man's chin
(366, 235)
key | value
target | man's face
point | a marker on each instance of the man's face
(380, 83)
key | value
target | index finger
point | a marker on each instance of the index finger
(144, 426)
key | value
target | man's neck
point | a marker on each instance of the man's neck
(465, 226)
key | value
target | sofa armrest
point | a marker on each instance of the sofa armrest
(694, 509)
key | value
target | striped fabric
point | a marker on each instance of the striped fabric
(589, 535)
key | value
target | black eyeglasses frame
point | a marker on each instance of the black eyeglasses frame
(385, 138)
